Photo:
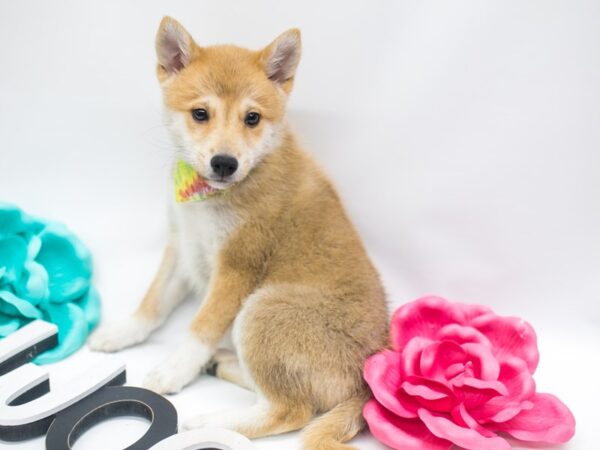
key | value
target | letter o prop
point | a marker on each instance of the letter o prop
(110, 402)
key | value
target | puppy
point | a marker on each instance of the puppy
(274, 259)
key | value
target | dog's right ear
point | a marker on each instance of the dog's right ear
(174, 47)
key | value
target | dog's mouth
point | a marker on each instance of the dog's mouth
(220, 183)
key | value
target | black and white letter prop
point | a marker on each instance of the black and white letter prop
(111, 402)
(27, 406)
(24, 345)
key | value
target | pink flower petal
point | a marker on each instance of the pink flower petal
(462, 417)
(454, 370)
(382, 373)
(506, 412)
(515, 376)
(473, 311)
(437, 357)
(510, 336)
(485, 364)
(423, 391)
(398, 433)
(462, 334)
(411, 355)
(548, 421)
(423, 317)
(467, 438)
(496, 409)
(475, 398)
(431, 394)
(491, 385)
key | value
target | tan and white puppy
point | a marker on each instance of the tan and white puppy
(275, 259)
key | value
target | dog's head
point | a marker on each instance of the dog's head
(225, 105)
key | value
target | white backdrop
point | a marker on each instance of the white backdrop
(464, 138)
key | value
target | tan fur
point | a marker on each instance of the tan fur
(227, 367)
(338, 425)
(292, 277)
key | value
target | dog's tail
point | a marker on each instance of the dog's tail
(338, 425)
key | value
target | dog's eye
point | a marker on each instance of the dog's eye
(252, 119)
(200, 114)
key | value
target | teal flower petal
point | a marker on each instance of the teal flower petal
(33, 248)
(12, 220)
(12, 305)
(8, 325)
(68, 263)
(45, 273)
(90, 304)
(13, 253)
(34, 284)
(72, 331)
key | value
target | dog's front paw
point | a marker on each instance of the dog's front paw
(165, 379)
(114, 337)
(179, 369)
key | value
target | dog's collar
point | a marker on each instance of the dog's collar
(190, 186)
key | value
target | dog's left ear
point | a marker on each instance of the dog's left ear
(281, 57)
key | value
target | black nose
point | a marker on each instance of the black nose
(224, 165)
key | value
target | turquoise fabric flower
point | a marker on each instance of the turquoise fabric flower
(45, 273)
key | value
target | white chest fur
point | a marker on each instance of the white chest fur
(200, 230)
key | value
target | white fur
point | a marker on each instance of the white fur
(180, 368)
(116, 336)
(234, 419)
(272, 136)
(200, 230)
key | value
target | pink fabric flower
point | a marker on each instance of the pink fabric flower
(458, 374)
